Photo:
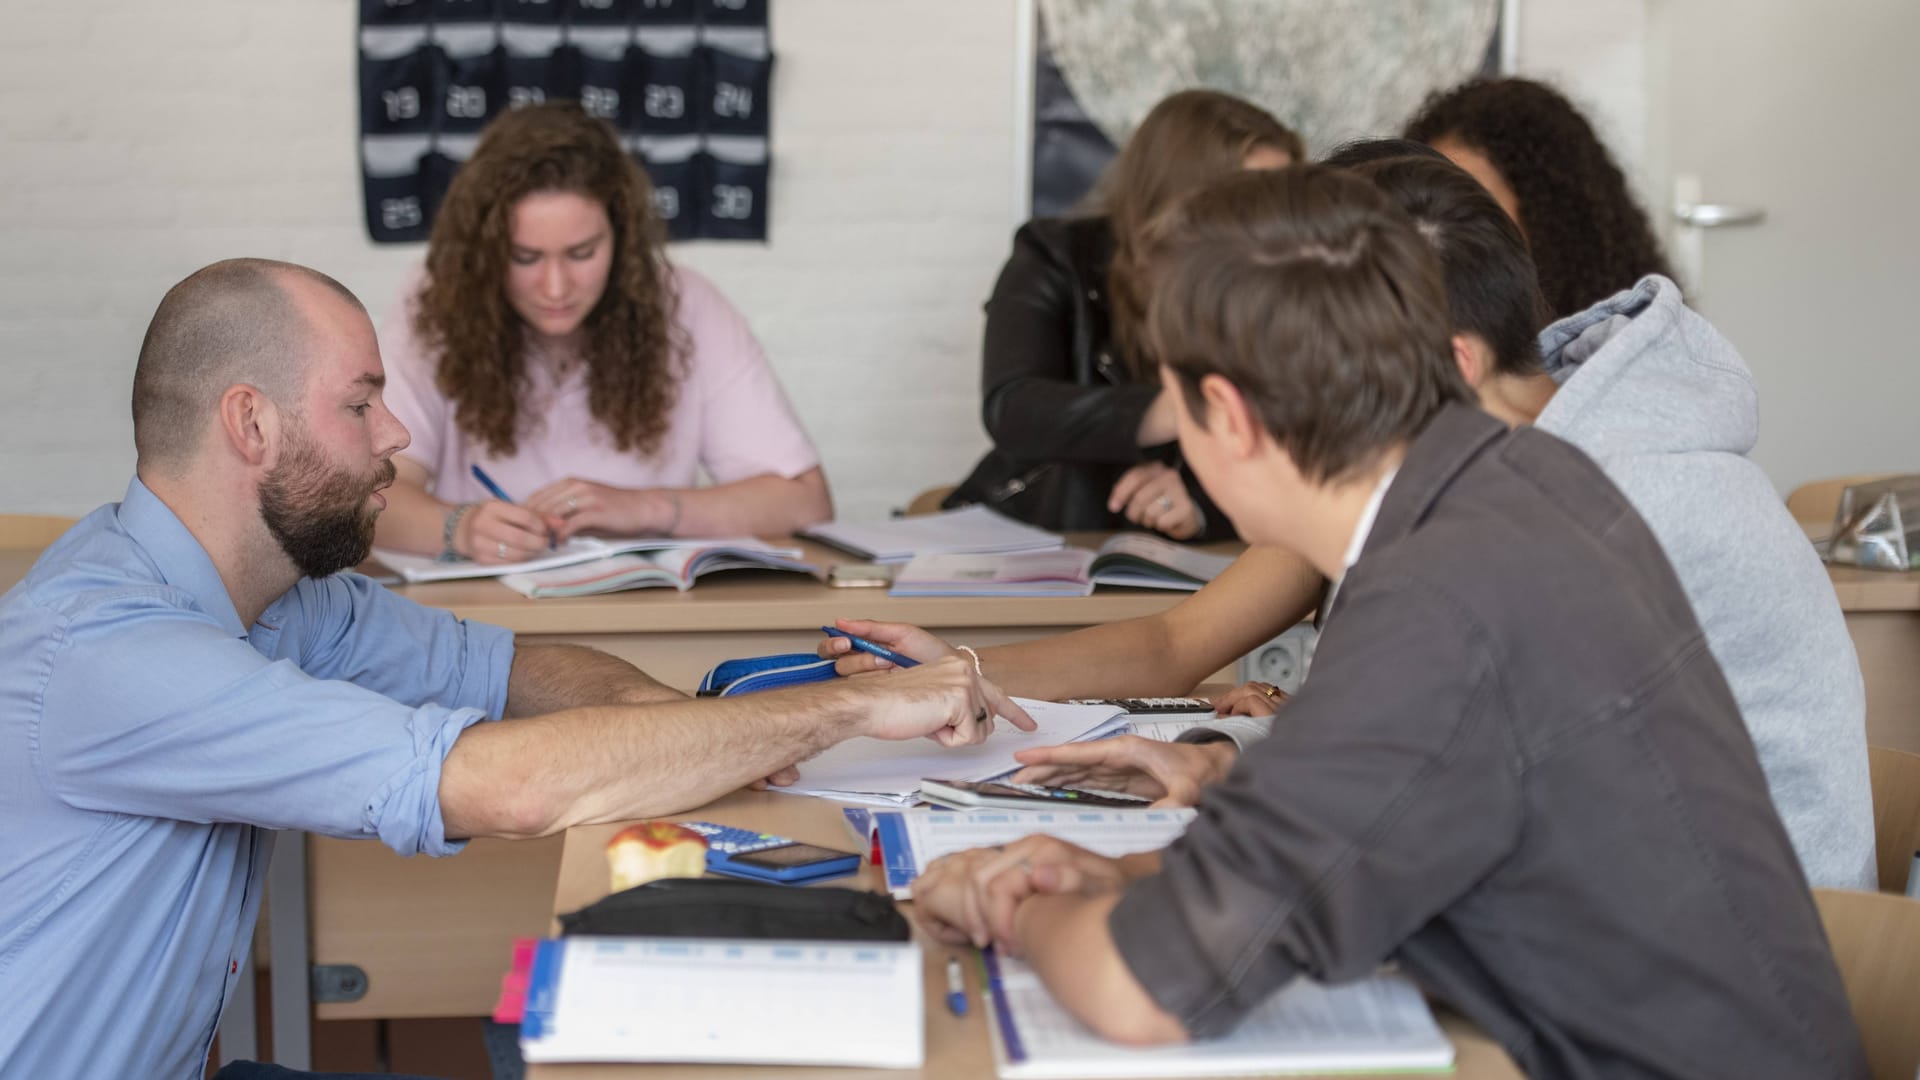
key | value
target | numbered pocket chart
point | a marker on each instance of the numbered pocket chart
(686, 83)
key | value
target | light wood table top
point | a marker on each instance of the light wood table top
(957, 1047)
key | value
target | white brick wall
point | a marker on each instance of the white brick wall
(139, 141)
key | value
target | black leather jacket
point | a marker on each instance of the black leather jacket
(1057, 401)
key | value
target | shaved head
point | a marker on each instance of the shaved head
(237, 321)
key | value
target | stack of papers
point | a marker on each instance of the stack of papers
(1373, 1025)
(972, 530)
(725, 1000)
(910, 839)
(887, 772)
(1129, 559)
(581, 549)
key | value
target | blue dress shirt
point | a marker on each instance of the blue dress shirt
(149, 744)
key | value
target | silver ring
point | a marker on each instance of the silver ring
(572, 504)
(501, 547)
(1165, 504)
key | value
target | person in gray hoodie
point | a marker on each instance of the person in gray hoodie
(1665, 406)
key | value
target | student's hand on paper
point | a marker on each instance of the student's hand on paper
(582, 506)
(1250, 699)
(909, 641)
(970, 897)
(496, 532)
(1171, 774)
(1154, 496)
(943, 700)
(784, 778)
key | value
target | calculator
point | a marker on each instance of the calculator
(766, 857)
(1151, 704)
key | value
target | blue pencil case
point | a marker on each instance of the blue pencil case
(735, 677)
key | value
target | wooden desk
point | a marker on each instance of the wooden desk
(957, 1047)
(1883, 617)
(430, 935)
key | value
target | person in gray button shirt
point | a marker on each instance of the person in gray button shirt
(1516, 770)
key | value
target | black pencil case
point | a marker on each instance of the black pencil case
(725, 908)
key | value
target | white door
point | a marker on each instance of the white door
(1810, 113)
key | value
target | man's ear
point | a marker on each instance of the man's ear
(1231, 417)
(249, 421)
(1468, 357)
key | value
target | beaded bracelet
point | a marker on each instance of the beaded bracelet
(452, 525)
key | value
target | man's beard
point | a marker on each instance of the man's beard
(319, 514)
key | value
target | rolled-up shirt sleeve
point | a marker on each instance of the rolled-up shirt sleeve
(349, 628)
(153, 709)
(1378, 802)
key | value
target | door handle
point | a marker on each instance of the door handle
(1713, 216)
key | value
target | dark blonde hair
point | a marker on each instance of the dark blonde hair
(635, 353)
(1318, 300)
(1188, 139)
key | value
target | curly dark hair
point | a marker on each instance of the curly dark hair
(635, 352)
(1590, 239)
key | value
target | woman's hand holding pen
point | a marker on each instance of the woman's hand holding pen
(495, 532)
(908, 641)
(582, 506)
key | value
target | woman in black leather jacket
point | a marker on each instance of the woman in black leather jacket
(1083, 437)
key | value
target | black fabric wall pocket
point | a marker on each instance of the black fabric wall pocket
(397, 208)
(398, 95)
(734, 12)
(668, 89)
(724, 908)
(676, 188)
(603, 90)
(736, 88)
(394, 12)
(474, 92)
(736, 204)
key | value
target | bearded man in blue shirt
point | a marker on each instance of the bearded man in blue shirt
(187, 670)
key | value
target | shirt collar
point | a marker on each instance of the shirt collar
(1364, 526)
(182, 562)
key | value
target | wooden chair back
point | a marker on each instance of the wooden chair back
(928, 501)
(1896, 816)
(1816, 501)
(31, 531)
(1876, 942)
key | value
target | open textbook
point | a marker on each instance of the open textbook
(1378, 1024)
(586, 549)
(1130, 559)
(677, 567)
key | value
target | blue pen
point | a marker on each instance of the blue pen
(956, 988)
(492, 488)
(869, 647)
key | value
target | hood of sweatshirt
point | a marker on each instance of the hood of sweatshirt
(1653, 378)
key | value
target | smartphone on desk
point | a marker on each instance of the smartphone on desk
(1004, 795)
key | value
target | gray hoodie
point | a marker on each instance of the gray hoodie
(1668, 409)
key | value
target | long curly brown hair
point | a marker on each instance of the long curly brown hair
(1590, 238)
(634, 350)
(1188, 139)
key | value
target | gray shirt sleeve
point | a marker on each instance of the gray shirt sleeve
(1376, 805)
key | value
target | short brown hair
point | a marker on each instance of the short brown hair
(1316, 298)
(231, 322)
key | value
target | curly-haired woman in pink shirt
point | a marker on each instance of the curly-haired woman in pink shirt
(551, 343)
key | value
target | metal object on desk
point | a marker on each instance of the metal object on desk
(1878, 525)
